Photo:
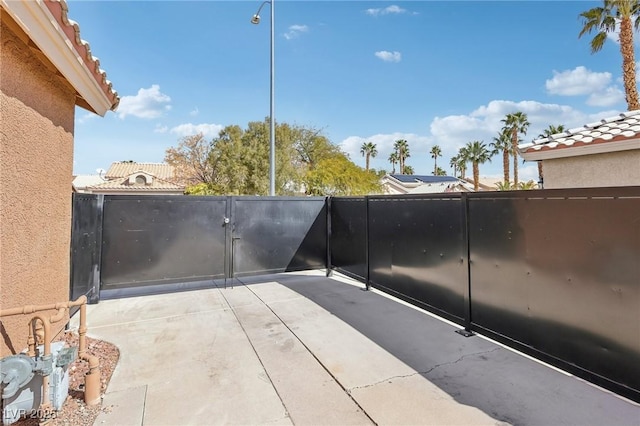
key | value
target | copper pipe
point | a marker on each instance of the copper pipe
(45, 404)
(92, 378)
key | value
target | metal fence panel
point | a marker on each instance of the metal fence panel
(162, 239)
(558, 272)
(280, 234)
(349, 236)
(417, 250)
(86, 243)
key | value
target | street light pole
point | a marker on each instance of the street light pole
(272, 125)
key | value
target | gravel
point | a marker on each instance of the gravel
(75, 412)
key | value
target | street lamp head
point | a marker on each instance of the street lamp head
(255, 19)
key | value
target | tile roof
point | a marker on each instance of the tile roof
(82, 181)
(623, 127)
(59, 10)
(423, 178)
(123, 169)
(122, 184)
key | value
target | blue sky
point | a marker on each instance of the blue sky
(429, 72)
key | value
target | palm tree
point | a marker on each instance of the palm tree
(603, 20)
(435, 153)
(454, 164)
(462, 161)
(477, 153)
(503, 143)
(401, 147)
(516, 123)
(393, 159)
(408, 169)
(503, 186)
(551, 130)
(368, 150)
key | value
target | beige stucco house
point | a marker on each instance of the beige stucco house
(45, 71)
(131, 178)
(601, 154)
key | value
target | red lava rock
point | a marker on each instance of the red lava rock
(74, 411)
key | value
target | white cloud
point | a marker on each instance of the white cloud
(160, 129)
(452, 132)
(194, 112)
(86, 117)
(385, 11)
(188, 129)
(389, 56)
(148, 103)
(295, 31)
(579, 81)
(610, 96)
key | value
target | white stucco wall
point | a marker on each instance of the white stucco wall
(596, 170)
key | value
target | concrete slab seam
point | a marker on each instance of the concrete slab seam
(422, 373)
(144, 403)
(256, 353)
(314, 356)
(94, 327)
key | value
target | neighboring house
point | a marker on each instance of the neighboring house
(601, 154)
(82, 182)
(131, 178)
(46, 71)
(427, 184)
(484, 183)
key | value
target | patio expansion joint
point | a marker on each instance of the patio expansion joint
(421, 373)
(117, 324)
(326, 369)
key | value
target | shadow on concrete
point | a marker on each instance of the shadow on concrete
(474, 371)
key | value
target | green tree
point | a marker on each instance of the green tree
(338, 176)
(477, 153)
(440, 172)
(435, 153)
(503, 143)
(368, 150)
(401, 147)
(516, 123)
(393, 159)
(548, 132)
(603, 20)
(408, 170)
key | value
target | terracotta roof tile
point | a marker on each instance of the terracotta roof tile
(609, 130)
(122, 184)
(59, 10)
(123, 169)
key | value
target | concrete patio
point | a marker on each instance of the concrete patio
(307, 350)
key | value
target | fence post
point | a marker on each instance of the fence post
(328, 261)
(464, 216)
(366, 245)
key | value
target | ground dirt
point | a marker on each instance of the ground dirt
(75, 412)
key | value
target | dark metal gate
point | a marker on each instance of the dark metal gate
(125, 245)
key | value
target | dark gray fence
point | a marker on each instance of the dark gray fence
(280, 234)
(554, 273)
(86, 244)
(137, 244)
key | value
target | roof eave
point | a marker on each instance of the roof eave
(44, 30)
(531, 154)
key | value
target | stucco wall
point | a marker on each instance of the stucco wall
(597, 170)
(36, 161)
